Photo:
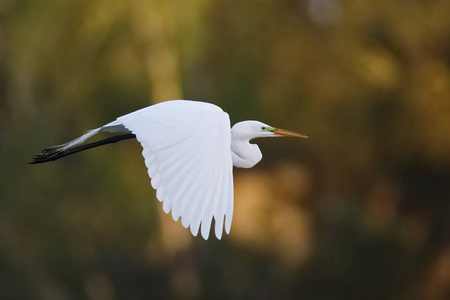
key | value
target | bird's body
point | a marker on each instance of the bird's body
(190, 152)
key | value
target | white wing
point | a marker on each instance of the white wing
(187, 153)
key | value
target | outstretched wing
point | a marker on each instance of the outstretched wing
(187, 153)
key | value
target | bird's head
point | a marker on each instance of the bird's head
(256, 129)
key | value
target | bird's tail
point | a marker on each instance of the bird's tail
(74, 146)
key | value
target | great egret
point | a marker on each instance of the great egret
(190, 152)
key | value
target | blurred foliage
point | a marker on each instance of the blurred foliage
(359, 211)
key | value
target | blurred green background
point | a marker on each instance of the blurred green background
(361, 210)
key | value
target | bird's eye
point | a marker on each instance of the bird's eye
(263, 128)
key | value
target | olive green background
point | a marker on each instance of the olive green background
(361, 210)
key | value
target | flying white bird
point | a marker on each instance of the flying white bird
(190, 152)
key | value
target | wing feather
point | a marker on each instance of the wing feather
(229, 205)
(206, 212)
(200, 217)
(186, 181)
(188, 200)
(186, 147)
(220, 205)
(193, 214)
(179, 178)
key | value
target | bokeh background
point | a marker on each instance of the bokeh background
(361, 210)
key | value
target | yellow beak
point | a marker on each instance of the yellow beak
(283, 132)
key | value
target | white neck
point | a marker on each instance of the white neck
(244, 154)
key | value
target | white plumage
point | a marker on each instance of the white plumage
(189, 151)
